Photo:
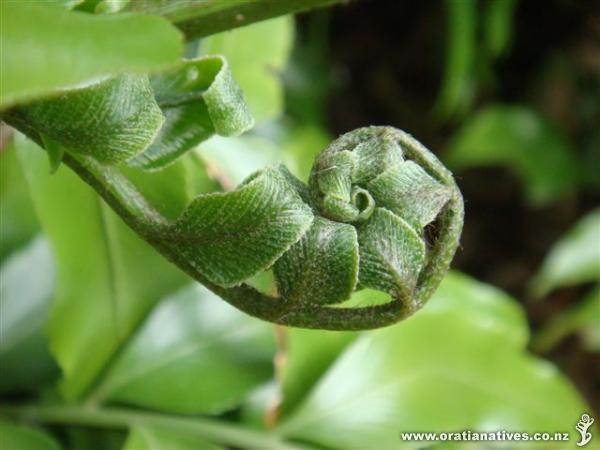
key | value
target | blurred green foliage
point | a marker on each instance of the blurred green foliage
(574, 259)
(126, 328)
(16, 437)
(521, 139)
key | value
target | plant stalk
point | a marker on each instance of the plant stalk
(121, 418)
(198, 19)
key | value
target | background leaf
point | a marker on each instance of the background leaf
(18, 223)
(144, 438)
(85, 438)
(257, 55)
(13, 437)
(26, 289)
(521, 139)
(237, 158)
(458, 86)
(498, 25)
(308, 354)
(300, 145)
(37, 60)
(583, 318)
(215, 353)
(107, 278)
(426, 373)
(574, 259)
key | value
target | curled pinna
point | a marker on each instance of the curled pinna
(380, 211)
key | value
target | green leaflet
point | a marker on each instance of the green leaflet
(39, 54)
(391, 254)
(148, 122)
(229, 237)
(408, 191)
(112, 120)
(257, 72)
(322, 267)
(199, 98)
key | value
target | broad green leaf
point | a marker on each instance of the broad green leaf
(484, 305)
(232, 236)
(14, 437)
(112, 120)
(391, 254)
(521, 139)
(18, 223)
(322, 267)
(107, 278)
(37, 60)
(26, 289)
(308, 354)
(144, 438)
(257, 55)
(459, 364)
(574, 259)
(583, 318)
(458, 85)
(199, 98)
(194, 354)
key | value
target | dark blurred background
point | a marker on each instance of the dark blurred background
(464, 77)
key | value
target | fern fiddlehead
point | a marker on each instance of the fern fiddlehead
(380, 211)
